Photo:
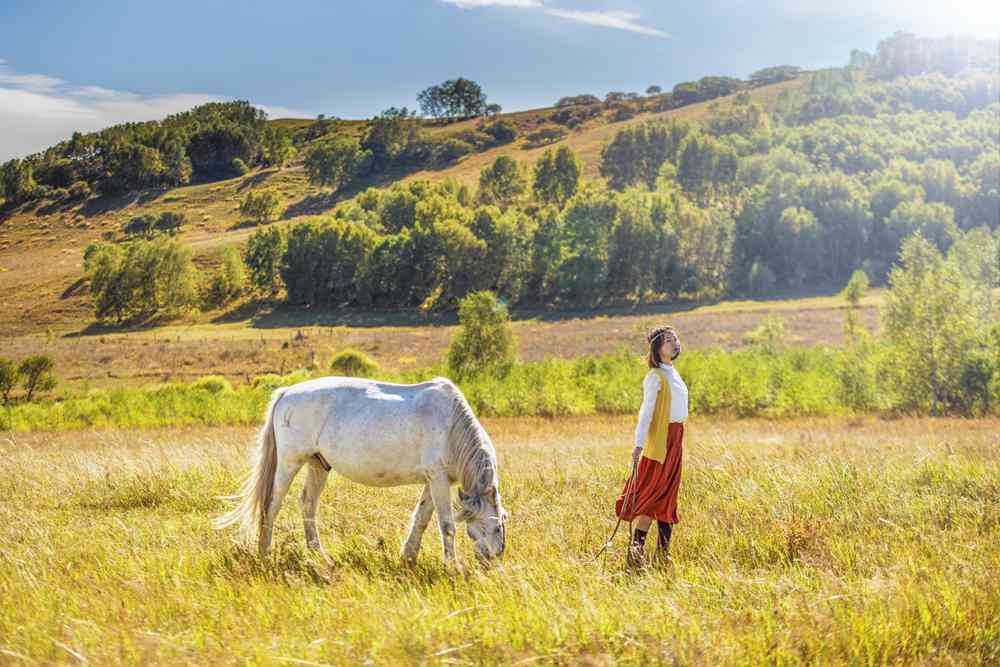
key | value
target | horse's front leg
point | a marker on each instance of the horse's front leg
(418, 524)
(440, 487)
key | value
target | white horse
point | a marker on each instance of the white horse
(378, 434)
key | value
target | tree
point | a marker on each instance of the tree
(17, 182)
(930, 324)
(557, 176)
(229, 280)
(456, 98)
(654, 90)
(36, 372)
(768, 75)
(485, 342)
(145, 279)
(262, 257)
(277, 146)
(853, 292)
(502, 183)
(10, 375)
(336, 163)
(387, 137)
(262, 206)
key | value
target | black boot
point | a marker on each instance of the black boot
(664, 530)
(635, 556)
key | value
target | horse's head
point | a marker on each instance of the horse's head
(487, 521)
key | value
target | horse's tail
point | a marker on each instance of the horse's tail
(255, 494)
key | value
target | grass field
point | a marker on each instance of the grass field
(804, 541)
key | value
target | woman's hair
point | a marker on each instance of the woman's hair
(655, 339)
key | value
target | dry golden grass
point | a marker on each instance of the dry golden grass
(809, 541)
(280, 342)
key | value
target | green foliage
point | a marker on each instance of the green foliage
(935, 326)
(353, 363)
(485, 343)
(262, 257)
(36, 375)
(149, 226)
(557, 176)
(388, 136)
(213, 384)
(17, 182)
(262, 206)
(322, 259)
(768, 336)
(146, 279)
(229, 280)
(502, 183)
(10, 375)
(336, 163)
(456, 98)
(502, 132)
(545, 136)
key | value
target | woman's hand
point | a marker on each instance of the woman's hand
(636, 453)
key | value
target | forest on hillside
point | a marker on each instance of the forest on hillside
(900, 142)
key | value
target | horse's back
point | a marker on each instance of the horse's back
(372, 432)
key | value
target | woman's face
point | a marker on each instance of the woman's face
(669, 347)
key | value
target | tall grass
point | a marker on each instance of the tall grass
(746, 383)
(807, 541)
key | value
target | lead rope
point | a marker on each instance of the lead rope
(631, 490)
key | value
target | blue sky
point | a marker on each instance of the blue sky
(75, 65)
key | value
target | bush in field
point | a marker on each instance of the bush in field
(214, 384)
(501, 131)
(768, 336)
(229, 280)
(10, 375)
(353, 363)
(149, 225)
(485, 342)
(239, 167)
(262, 206)
(36, 374)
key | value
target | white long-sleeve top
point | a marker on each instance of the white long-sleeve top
(678, 401)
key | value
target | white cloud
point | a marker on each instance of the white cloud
(606, 19)
(38, 111)
(467, 4)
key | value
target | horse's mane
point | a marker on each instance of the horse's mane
(471, 451)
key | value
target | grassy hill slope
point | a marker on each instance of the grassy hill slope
(41, 246)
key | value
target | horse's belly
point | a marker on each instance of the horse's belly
(382, 463)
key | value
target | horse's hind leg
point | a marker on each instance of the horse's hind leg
(283, 476)
(309, 501)
(418, 523)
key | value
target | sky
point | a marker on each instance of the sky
(70, 65)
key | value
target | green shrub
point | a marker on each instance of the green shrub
(353, 363)
(239, 167)
(214, 384)
(10, 375)
(485, 341)
(36, 373)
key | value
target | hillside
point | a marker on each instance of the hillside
(41, 247)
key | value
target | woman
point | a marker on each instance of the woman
(651, 490)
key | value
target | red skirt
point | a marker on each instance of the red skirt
(654, 493)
